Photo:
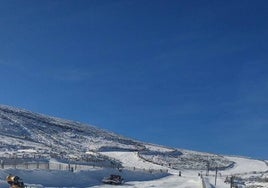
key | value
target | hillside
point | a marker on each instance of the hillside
(51, 137)
(28, 138)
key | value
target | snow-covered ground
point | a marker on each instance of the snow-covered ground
(132, 160)
(243, 168)
(172, 181)
(246, 165)
(137, 174)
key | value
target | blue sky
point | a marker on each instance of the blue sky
(186, 74)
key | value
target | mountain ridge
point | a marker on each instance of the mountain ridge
(53, 137)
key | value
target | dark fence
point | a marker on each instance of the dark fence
(50, 165)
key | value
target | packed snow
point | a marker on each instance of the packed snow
(137, 174)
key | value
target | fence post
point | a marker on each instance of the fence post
(2, 164)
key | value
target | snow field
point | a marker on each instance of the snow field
(245, 165)
(132, 160)
(88, 178)
(138, 178)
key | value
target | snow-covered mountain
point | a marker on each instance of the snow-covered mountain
(51, 137)
(30, 138)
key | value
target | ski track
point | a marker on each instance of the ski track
(131, 160)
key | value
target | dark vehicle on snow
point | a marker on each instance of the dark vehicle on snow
(113, 179)
(14, 181)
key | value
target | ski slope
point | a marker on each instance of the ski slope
(132, 160)
(246, 165)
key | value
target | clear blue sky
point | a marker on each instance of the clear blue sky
(190, 74)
